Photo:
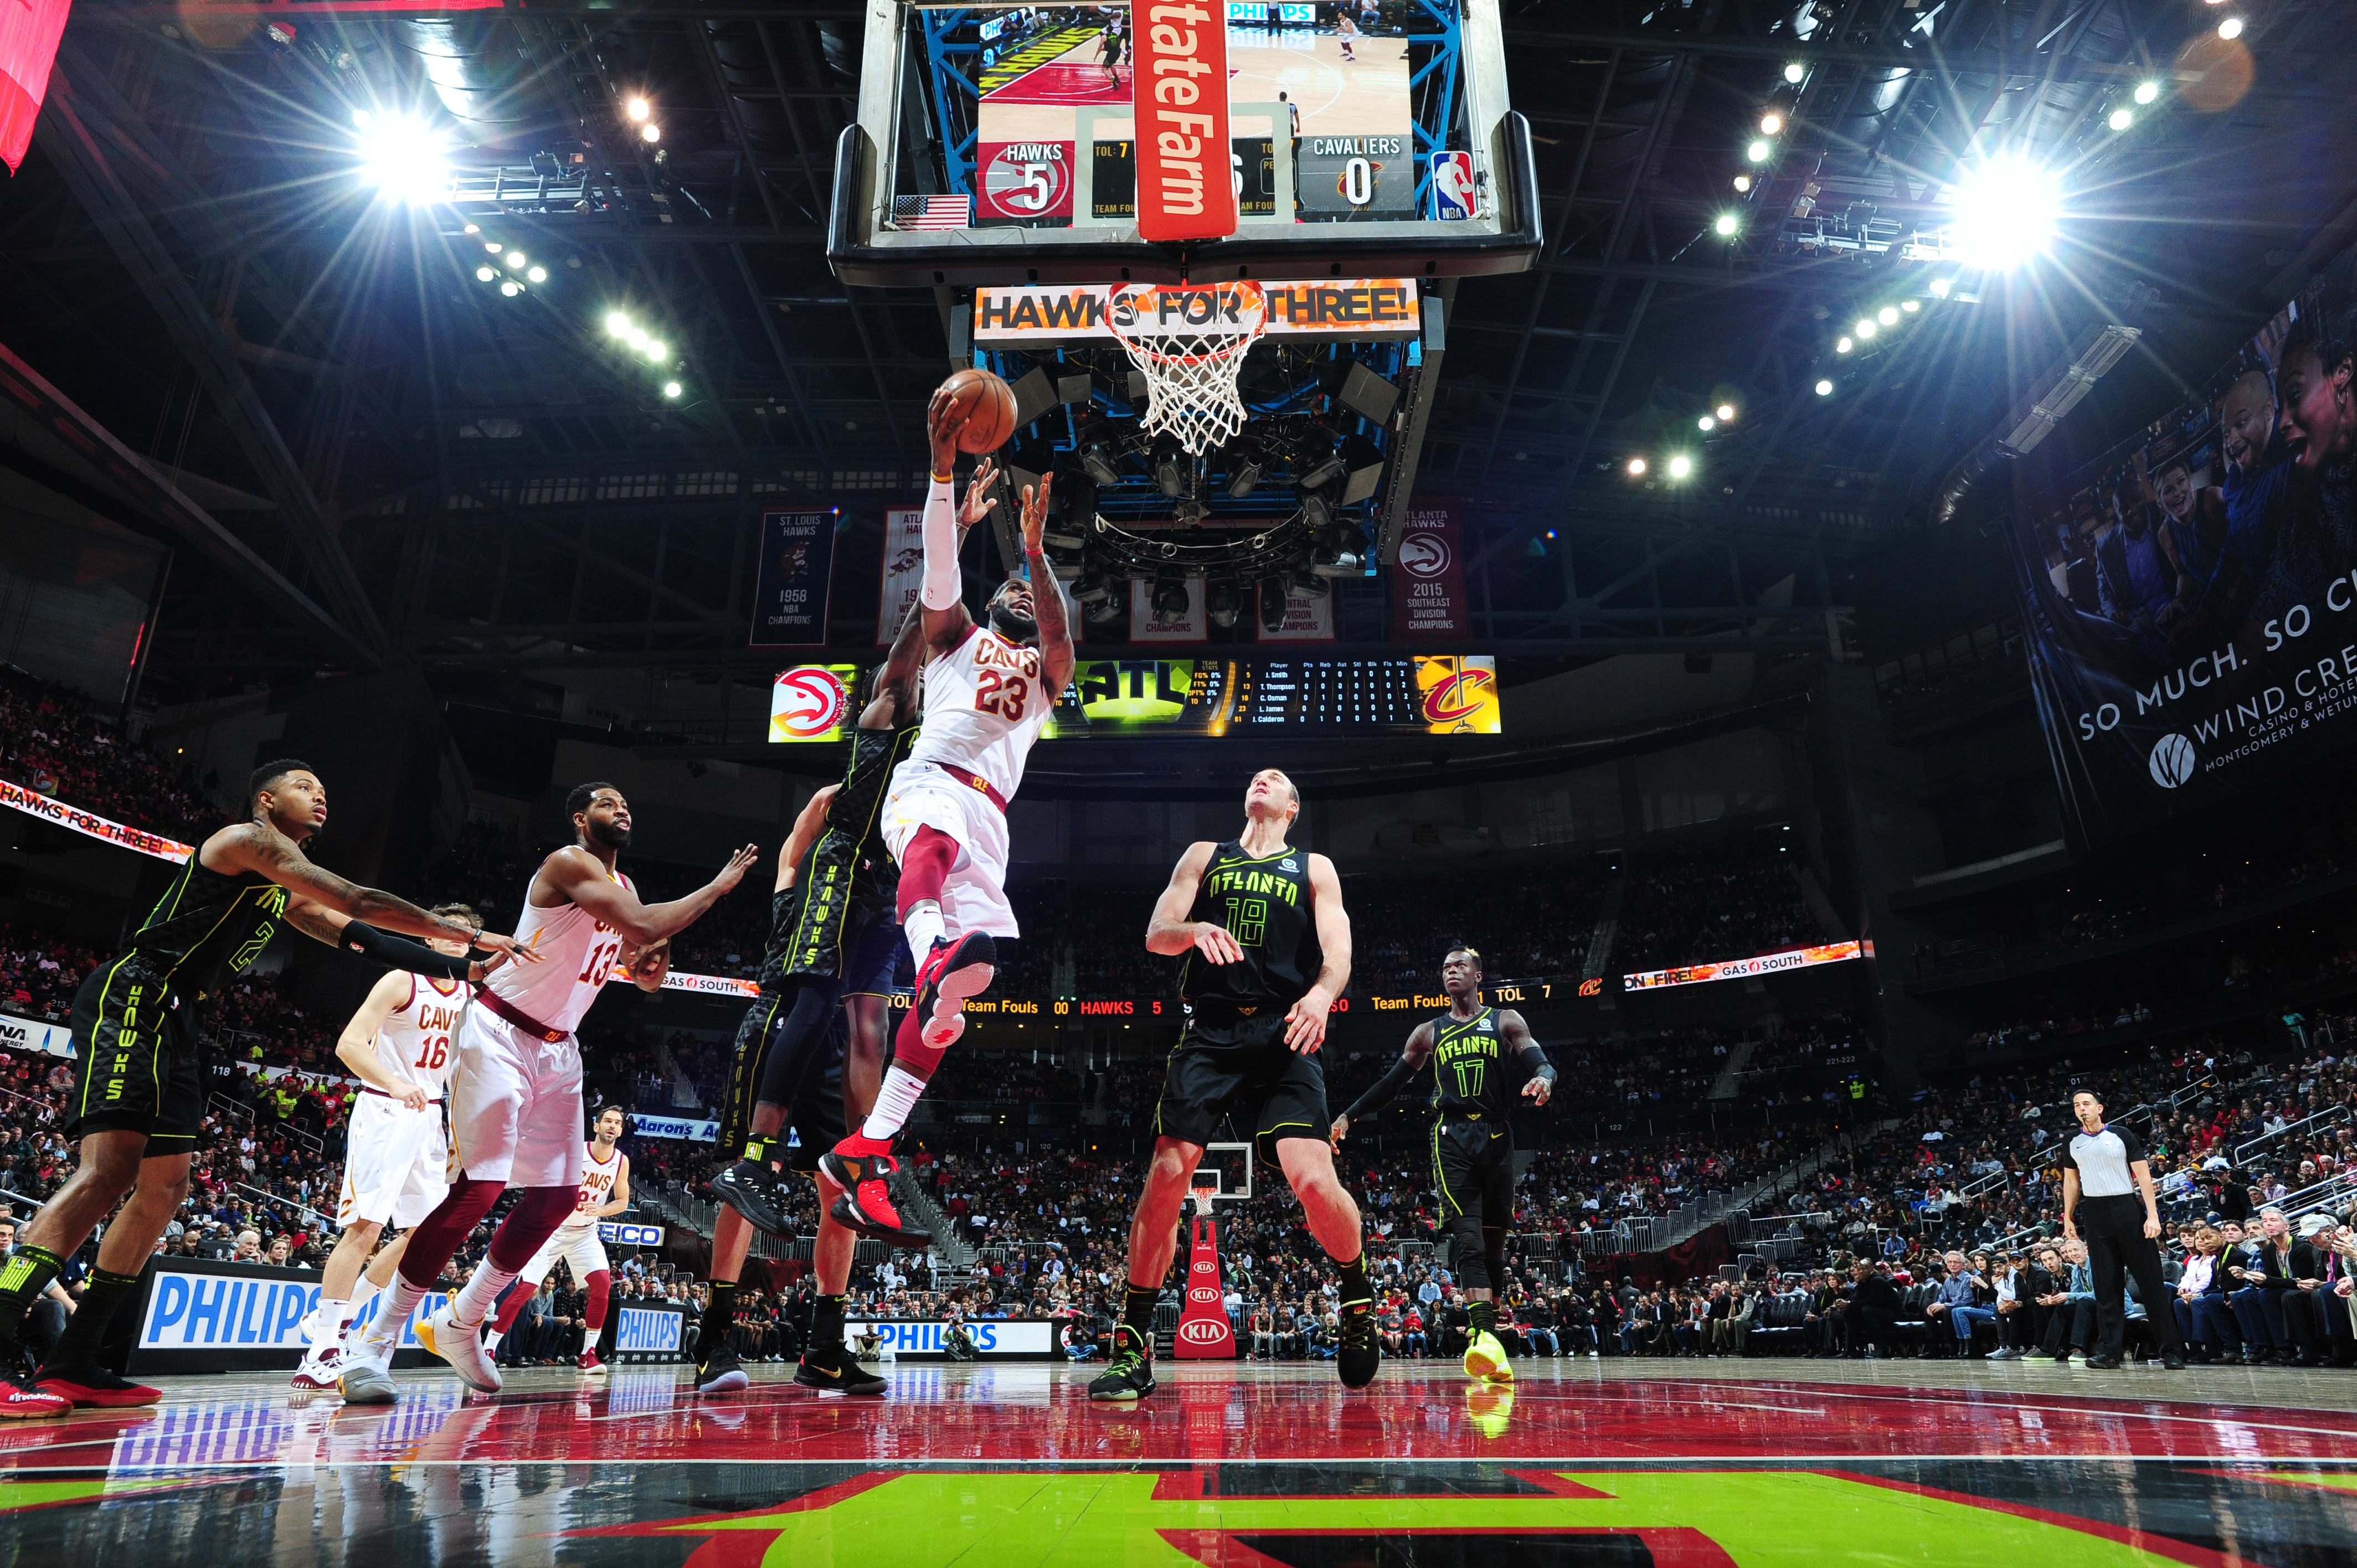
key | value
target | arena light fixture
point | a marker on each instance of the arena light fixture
(538, 274)
(2148, 91)
(1825, 389)
(512, 288)
(1771, 124)
(2120, 120)
(1758, 152)
(1728, 224)
(2231, 28)
(485, 274)
(617, 324)
(1681, 467)
(1911, 305)
(1794, 72)
(1942, 285)
(1842, 345)
(1636, 467)
(1706, 424)
(404, 156)
(2006, 211)
(638, 109)
(1865, 328)
(493, 246)
(1888, 316)
(1742, 183)
(651, 133)
(516, 258)
(673, 389)
(1725, 413)
(658, 351)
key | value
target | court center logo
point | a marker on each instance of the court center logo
(808, 702)
(2173, 761)
(1424, 556)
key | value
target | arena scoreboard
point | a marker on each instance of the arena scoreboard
(1414, 695)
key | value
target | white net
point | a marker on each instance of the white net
(1189, 343)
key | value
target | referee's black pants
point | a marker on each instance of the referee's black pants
(2113, 1229)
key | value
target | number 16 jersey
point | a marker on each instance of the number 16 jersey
(413, 1046)
(985, 703)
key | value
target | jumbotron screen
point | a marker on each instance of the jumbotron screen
(1416, 694)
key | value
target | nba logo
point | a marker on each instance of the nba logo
(1453, 196)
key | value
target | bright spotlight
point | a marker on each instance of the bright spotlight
(1865, 328)
(512, 288)
(1742, 182)
(2146, 91)
(1706, 424)
(1770, 123)
(1636, 467)
(658, 351)
(639, 109)
(617, 324)
(2120, 120)
(484, 274)
(1681, 466)
(1726, 224)
(2231, 28)
(1886, 315)
(493, 246)
(538, 274)
(406, 159)
(1942, 285)
(1794, 72)
(2006, 211)
(1727, 413)
(650, 132)
(1825, 389)
(1911, 305)
(517, 259)
(673, 389)
(1843, 346)
(1758, 152)
(473, 229)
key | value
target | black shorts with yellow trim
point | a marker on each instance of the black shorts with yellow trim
(803, 1015)
(875, 954)
(139, 1063)
(1235, 1066)
(1473, 1166)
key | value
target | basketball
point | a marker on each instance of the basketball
(989, 405)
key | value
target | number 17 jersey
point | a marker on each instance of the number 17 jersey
(985, 703)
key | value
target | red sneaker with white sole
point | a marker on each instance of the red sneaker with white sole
(94, 1387)
(863, 1171)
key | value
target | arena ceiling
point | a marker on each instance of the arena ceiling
(413, 467)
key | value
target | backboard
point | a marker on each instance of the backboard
(1225, 1172)
(1182, 140)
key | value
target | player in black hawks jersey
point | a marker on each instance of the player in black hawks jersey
(1268, 949)
(1472, 1144)
(140, 1091)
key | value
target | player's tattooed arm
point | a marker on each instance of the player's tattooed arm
(1169, 933)
(1305, 1022)
(258, 847)
(1048, 609)
(1519, 1039)
(1412, 1057)
(358, 937)
(809, 823)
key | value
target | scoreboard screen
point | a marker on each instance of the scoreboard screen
(1418, 694)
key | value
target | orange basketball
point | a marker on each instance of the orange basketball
(989, 405)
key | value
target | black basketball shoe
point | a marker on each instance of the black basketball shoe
(1131, 1376)
(753, 1190)
(1360, 1352)
(832, 1369)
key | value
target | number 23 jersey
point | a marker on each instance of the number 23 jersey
(985, 703)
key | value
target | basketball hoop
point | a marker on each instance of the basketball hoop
(1190, 344)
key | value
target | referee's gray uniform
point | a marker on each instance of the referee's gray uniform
(2110, 1217)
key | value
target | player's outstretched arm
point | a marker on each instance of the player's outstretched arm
(356, 1046)
(942, 594)
(1169, 933)
(1047, 593)
(572, 874)
(259, 848)
(1304, 1020)
(1412, 1056)
(894, 700)
(1518, 1040)
(809, 823)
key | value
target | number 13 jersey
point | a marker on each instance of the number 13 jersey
(985, 703)
(577, 953)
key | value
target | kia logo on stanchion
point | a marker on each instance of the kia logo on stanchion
(1204, 1294)
(1200, 1331)
(1202, 1266)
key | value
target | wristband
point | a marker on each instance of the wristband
(948, 479)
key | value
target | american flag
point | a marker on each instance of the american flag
(932, 212)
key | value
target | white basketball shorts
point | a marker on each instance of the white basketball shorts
(580, 1249)
(396, 1162)
(974, 897)
(515, 1104)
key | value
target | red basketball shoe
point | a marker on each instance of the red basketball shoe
(952, 971)
(864, 1170)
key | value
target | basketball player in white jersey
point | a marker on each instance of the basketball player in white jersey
(396, 1153)
(515, 1095)
(987, 691)
(605, 1192)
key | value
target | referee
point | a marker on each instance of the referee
(2104, 1172)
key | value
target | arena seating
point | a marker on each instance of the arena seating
(52, 741)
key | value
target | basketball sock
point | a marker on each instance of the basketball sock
(474, 1300)
(895, 1100)
(1354, 1280)
(364, 1291)
(101, 1299)
(720, 1316)
(923, 927)
(327, 1325)
(491, 1341)
(756, 1150)
(826, 1324)
(1137, 1303)
(401, 1299)
(593, 1319)
(27, 1275)
(1484, 1314)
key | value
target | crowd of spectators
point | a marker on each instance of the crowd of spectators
(52, 741)
(1732, 902)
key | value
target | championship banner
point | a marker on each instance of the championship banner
(1068, 313)
(793, 579)
(1308, 617)
(28, 47)
(904, 570)
(29, 1035)
(1741, 968)
(1147, 624)
(2190, 603)
(1428, 580)
(812, 703)
(89, 824)
(1178, 84)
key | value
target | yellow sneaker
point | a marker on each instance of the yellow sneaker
(1486, 1358)
(1490, 1407)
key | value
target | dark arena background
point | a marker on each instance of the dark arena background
(1788, 998)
